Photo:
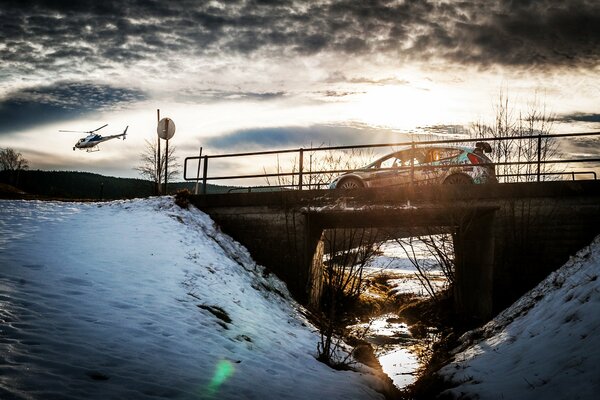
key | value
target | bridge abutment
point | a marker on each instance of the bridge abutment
(508, 238)
(474, 267)
(285, 241)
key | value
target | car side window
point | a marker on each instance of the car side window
(417, 156)
(389, 163)
(402, 159)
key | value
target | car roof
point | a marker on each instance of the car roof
(417, 147)
(433, 146)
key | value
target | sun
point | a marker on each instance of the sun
(403, 107)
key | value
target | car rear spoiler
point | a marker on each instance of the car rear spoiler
(483, 146)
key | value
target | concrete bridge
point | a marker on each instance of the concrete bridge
(508, 237)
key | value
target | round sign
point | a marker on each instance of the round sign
(166, 128)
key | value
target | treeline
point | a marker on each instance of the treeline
(86, 185)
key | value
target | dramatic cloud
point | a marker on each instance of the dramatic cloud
(77, 35)
(211, 95)
(319, 135)
(241, 66)
(30, 107)
(581, 117)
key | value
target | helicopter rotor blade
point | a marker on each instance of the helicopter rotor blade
(62, 130)
(98, 128)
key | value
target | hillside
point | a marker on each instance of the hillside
(140, 299)
(85, 185)
(545, 346)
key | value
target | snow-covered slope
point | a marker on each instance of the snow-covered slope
(141, 299)
(545, 346)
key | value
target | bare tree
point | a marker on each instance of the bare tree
(318, 166)
(340, 160)
(430, 255)
(149, 167)
(349, 251)
(510, 125)
(11, 160)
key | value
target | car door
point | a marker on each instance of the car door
(386, 171)
(401, 168)
(415, 158)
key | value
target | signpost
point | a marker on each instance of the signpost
(165, 131)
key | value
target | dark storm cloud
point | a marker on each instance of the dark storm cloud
(318, 135)
(40, 34)
(211, 95)
(336, 93)
(338, 76)
(61, 101)
(580, 117)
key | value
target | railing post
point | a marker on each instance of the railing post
(197, 172)
(204, 174)
(412, 164)
(300, 167)
(539, 155)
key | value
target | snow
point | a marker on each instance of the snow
(545, 346)
(404, 277)
(141, 299)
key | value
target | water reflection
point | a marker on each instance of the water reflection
(392, 343)
(400, 365)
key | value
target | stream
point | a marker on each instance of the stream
(393, 346)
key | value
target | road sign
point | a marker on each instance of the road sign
(166, 128)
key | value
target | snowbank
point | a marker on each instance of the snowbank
(141, 299)
(545, 346)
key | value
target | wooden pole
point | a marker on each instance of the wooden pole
(158, 166)
(167, 156)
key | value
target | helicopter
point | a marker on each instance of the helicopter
(92, 140)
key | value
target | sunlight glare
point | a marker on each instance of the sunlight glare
(402, 107)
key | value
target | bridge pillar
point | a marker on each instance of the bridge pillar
(473, 281)
(314, 249)
(284, 240)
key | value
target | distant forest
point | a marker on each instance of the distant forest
(85, 185)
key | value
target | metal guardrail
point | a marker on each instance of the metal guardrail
(300, 174)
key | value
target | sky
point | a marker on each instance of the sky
(268, 74)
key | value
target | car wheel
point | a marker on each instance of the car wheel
(458, 179)
(350, 183)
